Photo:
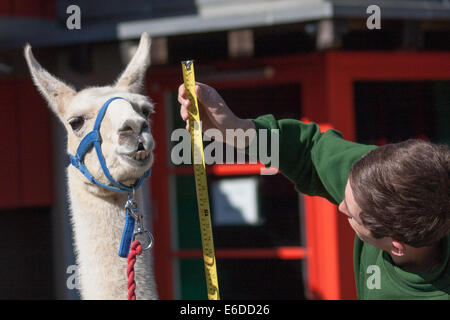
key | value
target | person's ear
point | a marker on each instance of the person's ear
(398, 248)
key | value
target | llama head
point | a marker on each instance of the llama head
(127, 142)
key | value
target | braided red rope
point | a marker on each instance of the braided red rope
(135, 250)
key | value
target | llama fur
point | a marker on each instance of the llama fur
(97, 214)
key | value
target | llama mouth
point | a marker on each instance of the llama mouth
(140, 157)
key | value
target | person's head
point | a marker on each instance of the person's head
(399, 194)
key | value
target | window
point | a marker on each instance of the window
(388, 111)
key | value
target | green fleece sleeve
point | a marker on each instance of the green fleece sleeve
(318, 164)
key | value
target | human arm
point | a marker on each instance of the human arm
(317, 163)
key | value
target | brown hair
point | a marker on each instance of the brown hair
(403, 190)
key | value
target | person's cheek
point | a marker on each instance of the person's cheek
(351, 222)
(355, 228)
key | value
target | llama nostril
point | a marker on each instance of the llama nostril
(144, 127)
(141, 147)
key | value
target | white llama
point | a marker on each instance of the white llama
(97, 214)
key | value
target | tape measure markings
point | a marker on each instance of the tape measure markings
(201, 186)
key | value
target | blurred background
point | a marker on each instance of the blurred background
(314, 60)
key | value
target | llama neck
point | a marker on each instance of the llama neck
(98, 222)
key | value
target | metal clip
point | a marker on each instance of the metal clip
(149, 235)
(131, 208)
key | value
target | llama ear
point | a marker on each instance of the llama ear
(57, 93)
(132, 79)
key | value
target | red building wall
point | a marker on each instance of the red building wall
(28, 8)
(25, 141)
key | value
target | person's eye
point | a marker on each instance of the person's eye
(76, 123)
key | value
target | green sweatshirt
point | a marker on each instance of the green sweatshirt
(319, 164)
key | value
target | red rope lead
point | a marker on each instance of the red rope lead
(135, 250)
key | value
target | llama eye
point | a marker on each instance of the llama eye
(76, 123)
(146, 112)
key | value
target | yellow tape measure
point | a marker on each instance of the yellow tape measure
(212, 284)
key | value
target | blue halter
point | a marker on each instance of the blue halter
(93, 139)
